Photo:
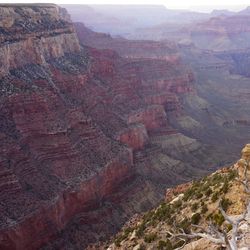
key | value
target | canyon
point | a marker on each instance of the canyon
(94, 128)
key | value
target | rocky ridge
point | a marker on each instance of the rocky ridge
(191, 207)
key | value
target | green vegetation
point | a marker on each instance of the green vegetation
(208, 192)
(229, 227)
(198, 195)
(225, 203)
(163, 212)
(204, 209)
(197, 199)
(148, 238)
(185, 225)
(177, 204)
(123, 236)
(218, 219)
(215, 197)
(195, 219)
(194, 207)
(225, 187)
(165, 245)
(140, 230)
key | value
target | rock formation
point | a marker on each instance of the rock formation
(75, 121)
(87, 131)
(242, 165)
(205, 214)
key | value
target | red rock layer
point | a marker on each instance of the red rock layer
(70, 120)
(135, 136)
(128, 48)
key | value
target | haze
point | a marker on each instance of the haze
(197, 5)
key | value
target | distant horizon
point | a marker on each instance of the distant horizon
(191, 5)
(197, 8)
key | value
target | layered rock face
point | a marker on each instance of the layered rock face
(222, 33)
(127, 48)
(53, 160)
(87, 129)
(74, 124)
(33, 35)
(217, 32)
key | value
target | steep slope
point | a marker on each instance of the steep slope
(204, 111)
(191, 213)
(77, 132)
(89, 135)
(223, 105)
(53, 160)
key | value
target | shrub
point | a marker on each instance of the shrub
(123, 236)
(229, 227)
(209, 217)
(218, 219)
(171, 220)
(119, 239)
(205, 187)
(189, 193)
(128, 230)
(167, 245)
(232, 174)
(194, 207)
(216, 179)
(150, 237)
(204, 179)
(117, 242)
(225, 187)
(177, 204)
(225, 203)
(163, 212)
(208, 192)
(204, 209)
(148, 216)
(215, 197)
(195, 219)
(140, 230)
(185, 224)
(198, 195)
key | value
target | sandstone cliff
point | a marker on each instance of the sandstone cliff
(72, 121)
(85, 131)
(53, 162)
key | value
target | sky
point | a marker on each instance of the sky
(199, 5)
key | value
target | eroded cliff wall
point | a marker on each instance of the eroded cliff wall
(55, 161)
(85, 132)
